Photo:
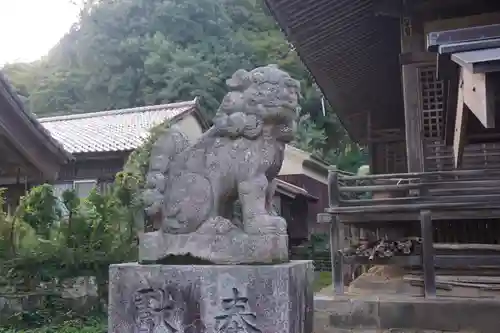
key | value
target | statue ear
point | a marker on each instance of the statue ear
(239, 81)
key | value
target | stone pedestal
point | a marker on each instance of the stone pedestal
(218, 241)
(214, 298)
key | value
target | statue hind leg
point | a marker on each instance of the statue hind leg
(189, 204)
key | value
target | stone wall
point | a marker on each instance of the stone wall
(79, 294)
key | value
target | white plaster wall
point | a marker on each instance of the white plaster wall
(191, 127)
(292, 163)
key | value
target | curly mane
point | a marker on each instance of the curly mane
(242, 111)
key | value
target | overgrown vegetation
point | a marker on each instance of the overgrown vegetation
(72, 326)
(43, 245)
(42, 248)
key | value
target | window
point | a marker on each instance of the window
(60, 188)
(83, 187)
(105, 187)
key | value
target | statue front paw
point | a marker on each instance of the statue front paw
(265, 225)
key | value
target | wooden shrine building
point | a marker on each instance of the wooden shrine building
(28, 152)
(417, 82)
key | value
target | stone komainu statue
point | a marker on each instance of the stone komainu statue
(191, 189)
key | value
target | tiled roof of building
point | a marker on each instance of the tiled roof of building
(110, 131)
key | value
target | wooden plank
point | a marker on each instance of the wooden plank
(434, 39)
(477, 198)
(428, 254)
(469, 46)
(461, 22)
(471, 185)
(441, 261)
(460, 125)
(410, 207)
(478, 95)
(439, 285)
(411, 58)
(401, 261)
(380, 188)
(478, 61)
(464, 278)
(466, 191)
(451, 104)
(470, 246)
(375, 219)
(467, 261)
(414, 175)
(452, 283)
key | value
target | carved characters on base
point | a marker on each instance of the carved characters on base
(155, 307)
(167, 309)
(236, 316)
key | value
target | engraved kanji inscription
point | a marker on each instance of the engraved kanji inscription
(155, 307)
(236, 316)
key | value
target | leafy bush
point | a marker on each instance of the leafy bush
(48, 241)
(43, 248)
(74, 326)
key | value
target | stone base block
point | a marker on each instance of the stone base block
(217, 241)
(213, 298)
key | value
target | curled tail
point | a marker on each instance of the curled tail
(164, 150)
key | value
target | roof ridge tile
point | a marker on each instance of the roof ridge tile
(116, 112)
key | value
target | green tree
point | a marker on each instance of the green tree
(126, 53)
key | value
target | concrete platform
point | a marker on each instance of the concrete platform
(405, 314)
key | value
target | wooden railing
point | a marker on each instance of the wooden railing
(422, 197)
(440, 190)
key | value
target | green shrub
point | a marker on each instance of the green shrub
(48, 240)
(75, 326)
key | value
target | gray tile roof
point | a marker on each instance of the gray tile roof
(111, 131)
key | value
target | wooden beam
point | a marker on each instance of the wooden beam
(461, 118)
(451, 91)
(26, 134)
(422, 57)
(478, 95)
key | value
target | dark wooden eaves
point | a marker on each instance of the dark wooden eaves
(27, 135)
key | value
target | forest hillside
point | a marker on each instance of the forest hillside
(126, 53)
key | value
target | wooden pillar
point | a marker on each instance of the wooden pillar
(412, 40)
(428, 254)
(336, 235)
(336, 256)
(475, 93)
(461, 120)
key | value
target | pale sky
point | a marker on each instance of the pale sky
(29, 28)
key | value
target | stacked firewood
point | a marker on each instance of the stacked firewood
(384, 248)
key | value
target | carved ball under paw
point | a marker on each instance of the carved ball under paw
(266, 224)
